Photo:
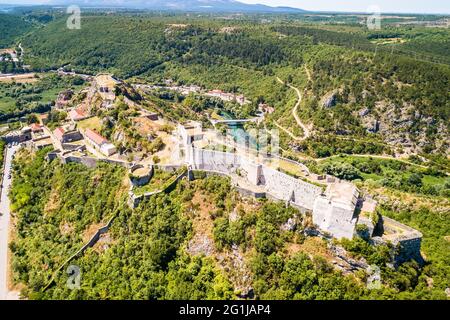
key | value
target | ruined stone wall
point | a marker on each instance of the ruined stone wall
(88, 162)
(143, 179)
(135, 200)
(406, 241)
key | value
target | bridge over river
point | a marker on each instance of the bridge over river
(234, 121)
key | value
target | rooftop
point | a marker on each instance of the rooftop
(43, 142)
(35, 127)
(191, 124)
(343, 192)
(193, 128)
(59, 133)
(77, 114)
(95, 137)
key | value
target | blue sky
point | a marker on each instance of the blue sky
(404, 6)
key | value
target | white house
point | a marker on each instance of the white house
(100, 143)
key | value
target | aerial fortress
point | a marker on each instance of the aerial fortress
(336, 209)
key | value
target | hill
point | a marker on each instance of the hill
(186, 5)
(200, 241)
(383, 100)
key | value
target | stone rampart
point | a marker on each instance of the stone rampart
(140, 175)
(287, 188)
(279, 185)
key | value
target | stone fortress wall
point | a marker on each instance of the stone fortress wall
(287, 188)
(277, 184)
(406, 240)
(334, 210)
(140, 175)
(332, 214)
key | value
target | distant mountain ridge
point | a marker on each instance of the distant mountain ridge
(182, 5)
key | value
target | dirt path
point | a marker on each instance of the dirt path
(306, 131)
(308, 73)
(289, 133)
(377, 157)
(21, 78)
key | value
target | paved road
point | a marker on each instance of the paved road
(5, 294)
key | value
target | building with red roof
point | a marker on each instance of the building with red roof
(99, 142)
(59, 134)
(78, 114)
(35, 127)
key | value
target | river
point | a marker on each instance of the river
(238, 132)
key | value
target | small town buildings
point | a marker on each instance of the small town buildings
(229, 97)
(105, 85)
(25, 134)
(67, 136)
(42, 143)
(78, 114)
(37, 132)
(190, 131)
(100, 143)
(59, 133)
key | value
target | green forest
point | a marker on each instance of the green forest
(247, 60)
(19, 99)
(11, 27)
(145, 255)
(408, 177)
